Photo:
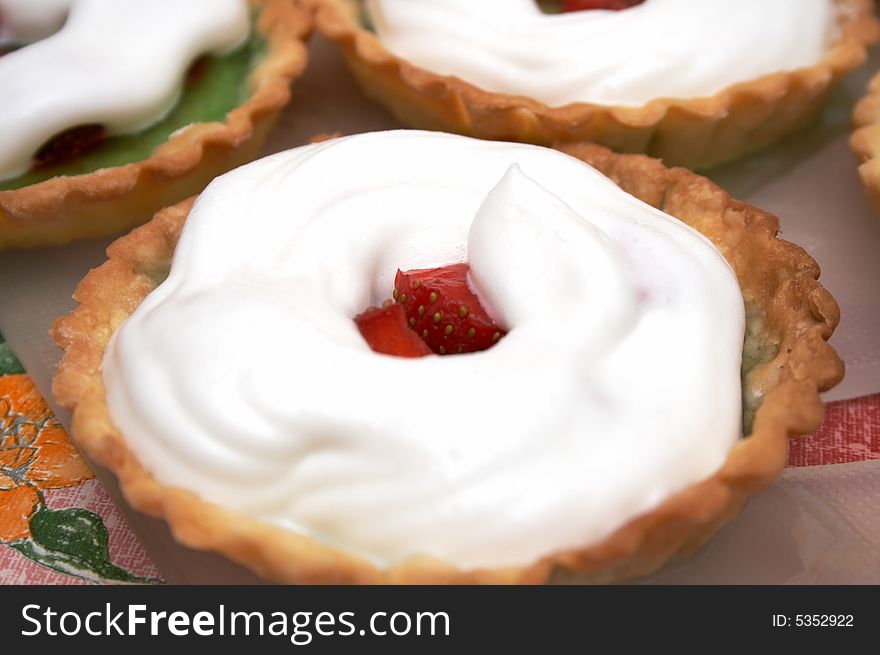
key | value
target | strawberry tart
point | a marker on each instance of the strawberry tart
(429, 358)
(693, 83)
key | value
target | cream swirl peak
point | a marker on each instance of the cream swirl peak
(117, 63)
(659, 49)
(244, 379)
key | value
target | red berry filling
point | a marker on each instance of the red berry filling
(436, 311)
(197, 70)
(69, 144)
(614, 5)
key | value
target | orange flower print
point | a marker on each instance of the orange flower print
(35, 454)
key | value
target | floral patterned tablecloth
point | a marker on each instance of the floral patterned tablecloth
(59, 526)
(57, 523)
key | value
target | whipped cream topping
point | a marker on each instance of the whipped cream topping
(117, 63)
(244, 379)
(659, 49)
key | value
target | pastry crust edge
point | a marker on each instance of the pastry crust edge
(110, 200)
(799, 317)
(697, 132)
(865, 140)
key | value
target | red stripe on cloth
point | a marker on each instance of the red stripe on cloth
(850, 433)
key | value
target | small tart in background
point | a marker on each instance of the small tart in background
(123, 180)
(786, 363)
(865, 140)
(696, 132)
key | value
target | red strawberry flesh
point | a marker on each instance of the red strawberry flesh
(435, 311)
(443, 310)
(385, 330)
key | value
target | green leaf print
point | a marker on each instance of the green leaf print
(74, 541)
(9, 364)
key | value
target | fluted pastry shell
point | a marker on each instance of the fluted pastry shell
(109, 200)
(790, 318)
(865, 140)
(695, 132)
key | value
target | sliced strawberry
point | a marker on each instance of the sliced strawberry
(443, 310)
(386, 332)
(615, 5)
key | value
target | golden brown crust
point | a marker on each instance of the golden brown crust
(865, 140)
(696, 133)
(68, 208)
(778, 279)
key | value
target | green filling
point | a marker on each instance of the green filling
(365, 18)
(221, 86)
(757, 351)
